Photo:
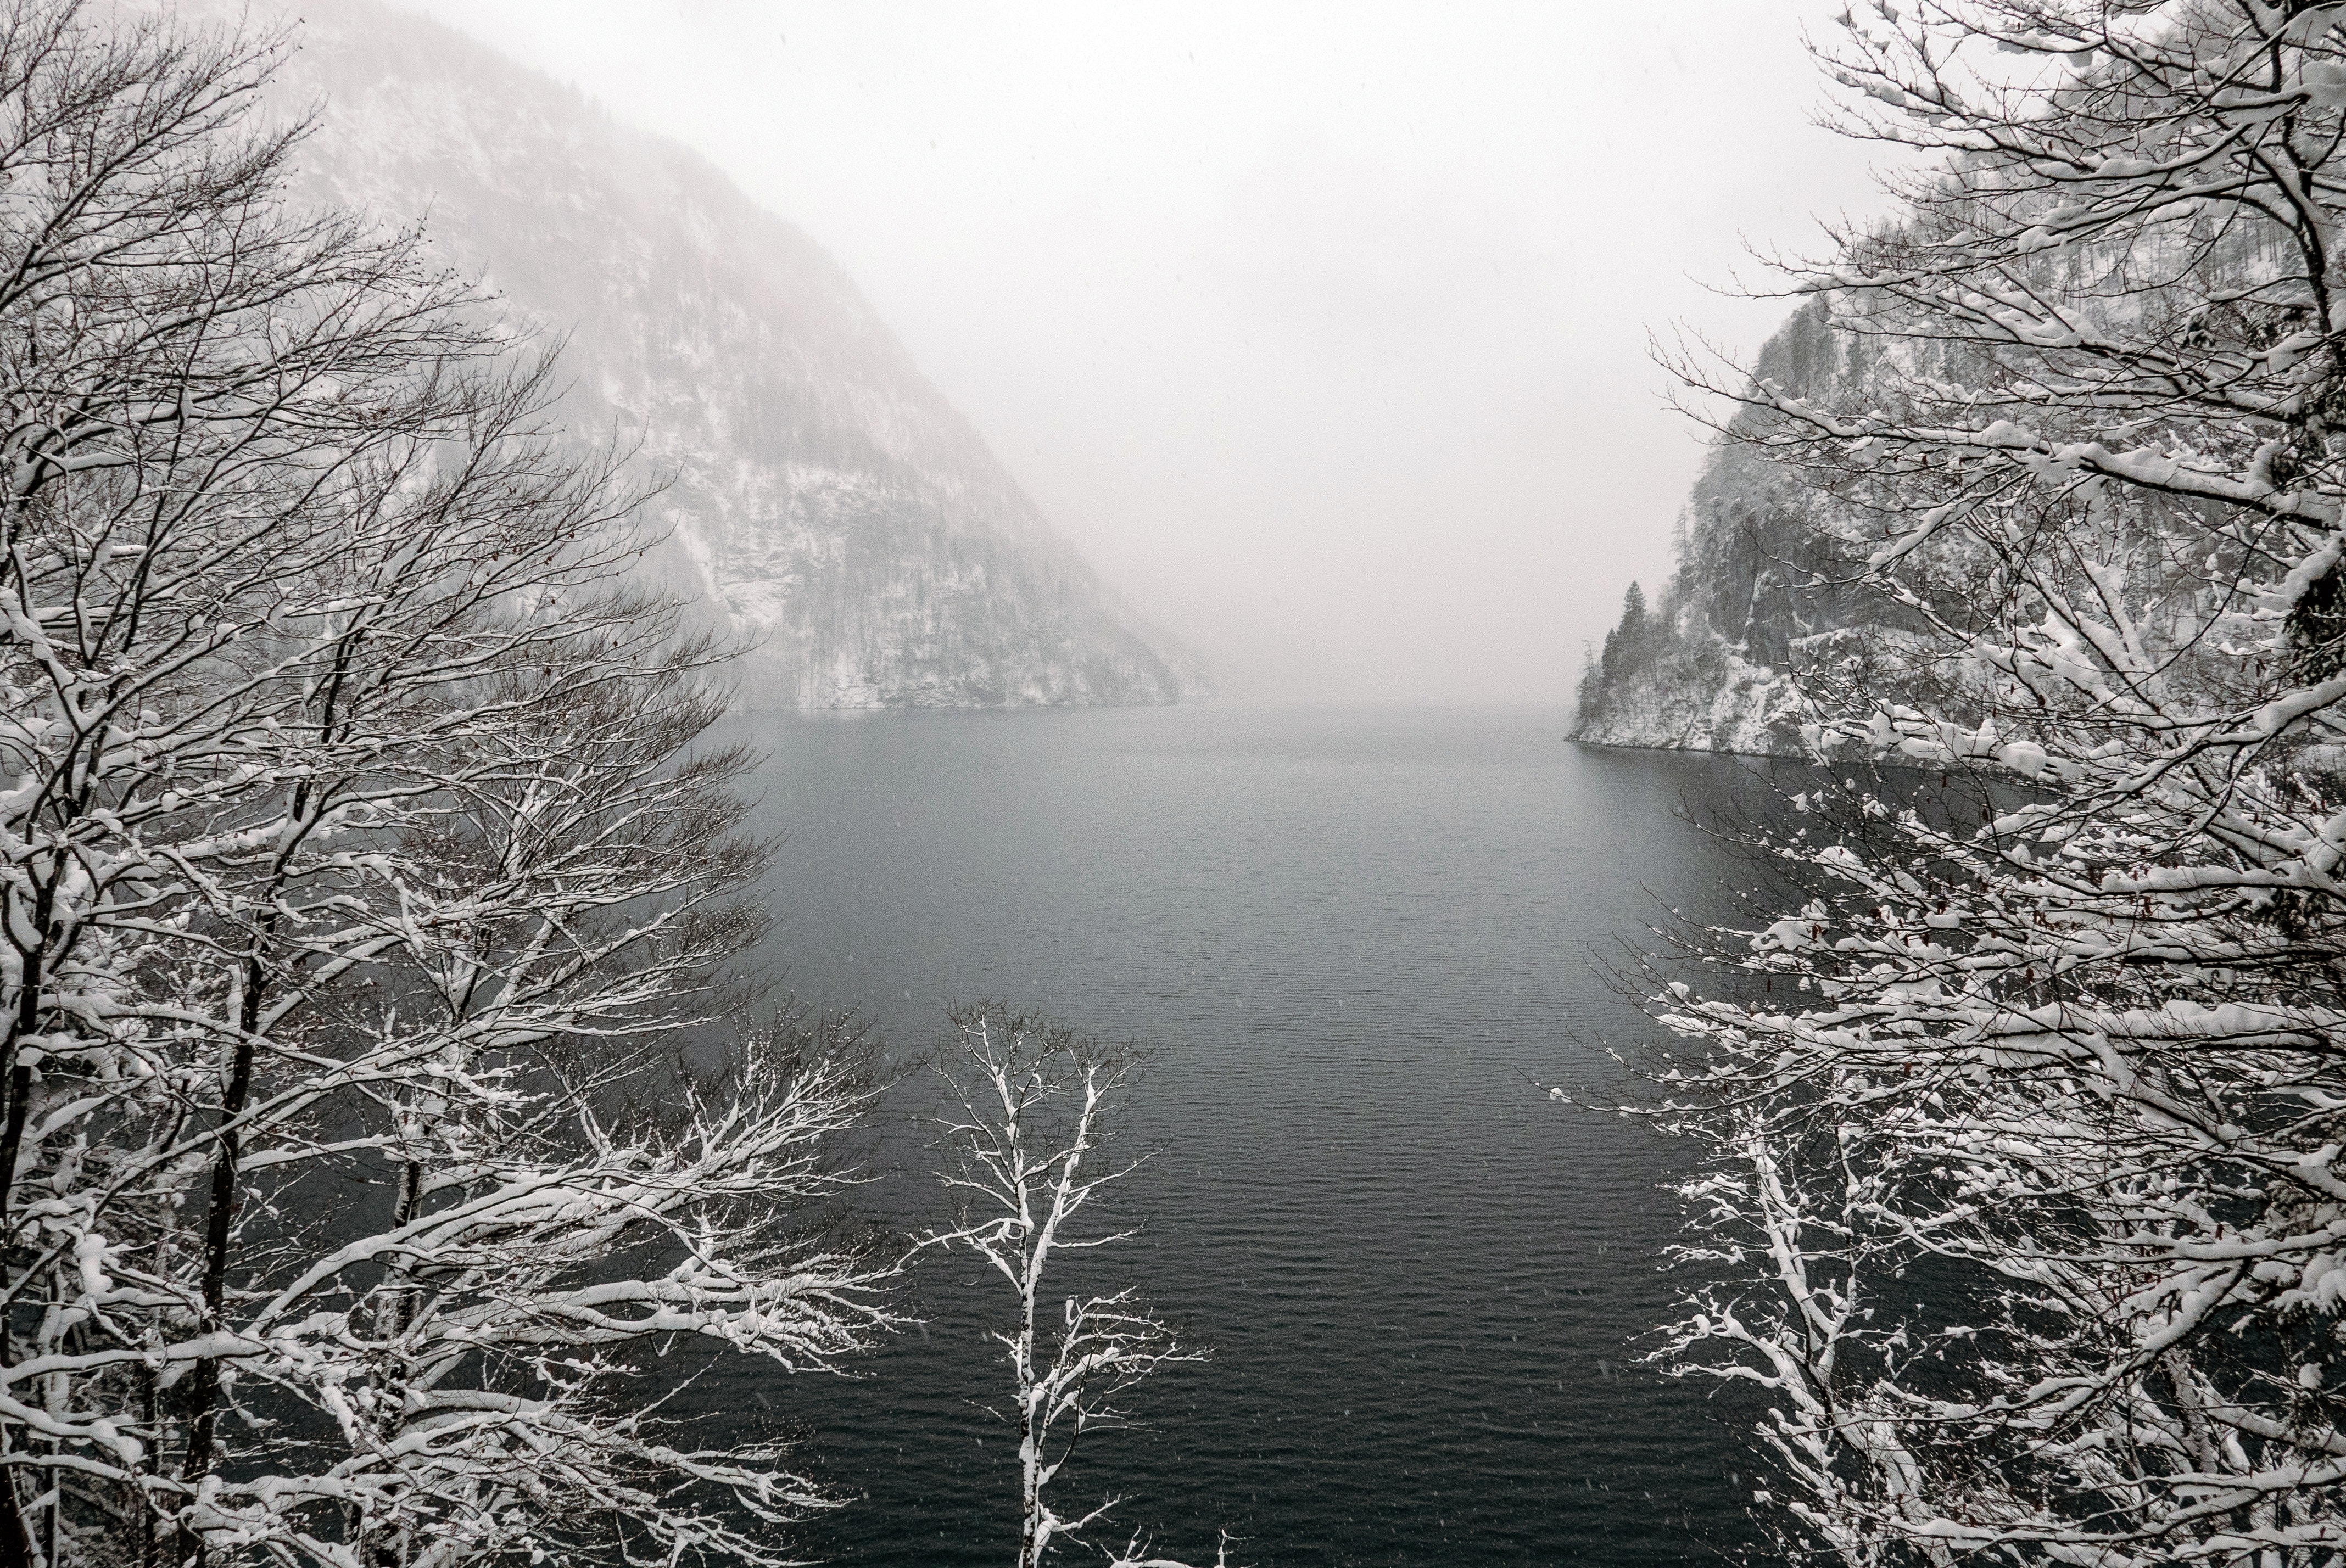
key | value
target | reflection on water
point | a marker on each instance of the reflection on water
(1357, 939)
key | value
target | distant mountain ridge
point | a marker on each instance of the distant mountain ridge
(824, 498)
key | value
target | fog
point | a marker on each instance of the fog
(1322, 330)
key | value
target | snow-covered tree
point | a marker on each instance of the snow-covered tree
(1025, 1141)
(2021, 1202)
(362, 897)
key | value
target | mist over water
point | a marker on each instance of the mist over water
(1361, 940)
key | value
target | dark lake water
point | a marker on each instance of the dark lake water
(1357, 940)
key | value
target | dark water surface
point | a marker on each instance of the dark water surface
(1357, 938)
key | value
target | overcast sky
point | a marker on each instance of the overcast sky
(1321, 329)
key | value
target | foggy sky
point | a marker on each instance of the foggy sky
(1320, 329)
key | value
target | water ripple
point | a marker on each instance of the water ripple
(1356, 939)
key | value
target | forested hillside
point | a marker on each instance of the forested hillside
(824, 499)
(1760, 588)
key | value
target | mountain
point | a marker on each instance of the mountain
(824, 499)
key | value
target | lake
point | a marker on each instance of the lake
(1359, 942)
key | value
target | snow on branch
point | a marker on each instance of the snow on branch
(363, 878)
(1027, 1144)
(2018, 1119)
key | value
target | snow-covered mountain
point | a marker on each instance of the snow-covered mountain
(824, 498)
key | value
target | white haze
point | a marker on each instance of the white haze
(1320, 329)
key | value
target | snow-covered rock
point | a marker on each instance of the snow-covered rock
(1700, 698)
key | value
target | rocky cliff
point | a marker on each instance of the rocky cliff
(1761, 589)
(823, 499)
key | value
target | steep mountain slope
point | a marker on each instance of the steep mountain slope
(824, 498)
(1762, 587)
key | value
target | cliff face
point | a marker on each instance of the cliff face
(1694, 694)
(824, 500)
(1708, 665)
